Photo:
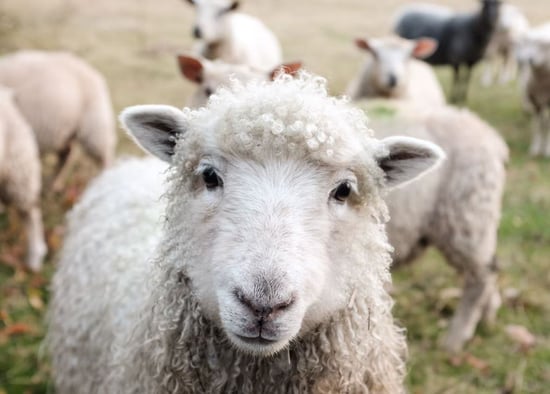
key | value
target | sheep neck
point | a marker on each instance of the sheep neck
(327, 359)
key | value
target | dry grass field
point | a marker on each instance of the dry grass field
(133, 42)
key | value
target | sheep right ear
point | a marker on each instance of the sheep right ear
(406, 158)
(363, 44)
(155, 128)
(191, 68)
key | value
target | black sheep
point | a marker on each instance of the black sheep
(462, 38)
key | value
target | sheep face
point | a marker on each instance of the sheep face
(211, 17)
(390, 60)
(275, 205)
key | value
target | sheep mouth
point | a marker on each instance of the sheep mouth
(259, 340)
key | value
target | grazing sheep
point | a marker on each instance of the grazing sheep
(20, 181)
(455, 208)
(64, 100)
(391, 71)
(461, 38)
(536, 86)
(269, 271)
(234, 37)
(500, 55)
(212, 75)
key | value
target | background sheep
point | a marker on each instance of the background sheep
(20, 181)
(500, 55)
(391, 71)
(234, 37)
(64, 100)
(282, 173)
(212, 75)
(536, 86)
(455, 208)
(462, 38)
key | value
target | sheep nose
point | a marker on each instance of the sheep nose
(392, 81)
(263, 311)
(197, 32)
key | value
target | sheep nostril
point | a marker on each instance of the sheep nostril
(259, 310)
(197, 32)
(392, 81)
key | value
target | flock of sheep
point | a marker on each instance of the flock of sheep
(252, 254)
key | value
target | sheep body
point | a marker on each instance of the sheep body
(62, 98)
(234, 37)
(462, 38)
(20, 182)
(455, 208)
(177, 321)
(390, 71)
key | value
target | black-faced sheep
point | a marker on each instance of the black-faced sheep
(462, 38)
(269, 272)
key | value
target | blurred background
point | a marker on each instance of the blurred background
(133, 43)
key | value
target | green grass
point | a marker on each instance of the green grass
(133, 43)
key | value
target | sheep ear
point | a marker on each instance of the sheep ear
(288, 68)
(363, 44)
(191, 68)
(424, 47)
(407, 158)
(155, 128)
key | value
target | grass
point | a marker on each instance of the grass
(133, 42)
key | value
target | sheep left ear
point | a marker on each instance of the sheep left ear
(404, 159)
(155, 128)
(424, 47)
(287, 68)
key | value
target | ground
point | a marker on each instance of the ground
(133, 43)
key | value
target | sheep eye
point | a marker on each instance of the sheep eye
(211, 179)
(342, 192)
(208, 92)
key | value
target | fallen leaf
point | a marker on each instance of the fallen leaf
(35, 299)
(17, 329)
(477, 363)
(521, 336)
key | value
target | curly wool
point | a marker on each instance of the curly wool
(166, 344)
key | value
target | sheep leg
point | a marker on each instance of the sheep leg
(538, 129)
(479, 298)
(36, 244)
(488, 72)
(509, 68)
(64, 158)
(465, 83)
(456, 84)
(545, 133)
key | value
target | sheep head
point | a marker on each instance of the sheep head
(211, 17)
(211, 75)
(274, 209)
(390, 59)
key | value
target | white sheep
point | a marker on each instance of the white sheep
(64, 100)
(20, 181)
(268, 273)
(234, 37)
(535, 56)
(391, 70)
(501, 53)
(211, 75)
(455, 208)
